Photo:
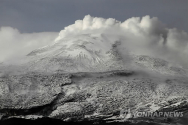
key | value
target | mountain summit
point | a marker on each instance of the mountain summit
(96, 44)
(80, 53)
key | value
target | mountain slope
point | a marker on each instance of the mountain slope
(78, 53)
(92, 96)
(94, 53)
(87, 77)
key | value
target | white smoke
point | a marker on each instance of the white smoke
(141, 36)
(14, 45)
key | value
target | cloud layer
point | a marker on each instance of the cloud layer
(14, 45)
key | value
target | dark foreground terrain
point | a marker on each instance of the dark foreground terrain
(47, 121)
(89, 98)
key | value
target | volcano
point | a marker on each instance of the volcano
(91, 75)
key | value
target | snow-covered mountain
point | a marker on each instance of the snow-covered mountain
(93, 75)
(85, 52)
(94, 53)
(96, 44)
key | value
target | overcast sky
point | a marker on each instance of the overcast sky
(53, 15)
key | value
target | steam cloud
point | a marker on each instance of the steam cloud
(14, 45)
(142, 36)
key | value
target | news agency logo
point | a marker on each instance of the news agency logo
(128, 114)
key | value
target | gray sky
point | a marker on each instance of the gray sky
(54, 15)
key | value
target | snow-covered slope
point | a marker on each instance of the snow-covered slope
(94, 53)
(85, 52)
